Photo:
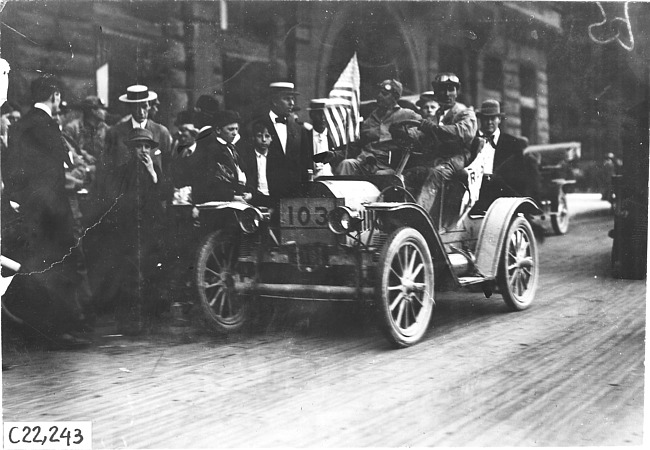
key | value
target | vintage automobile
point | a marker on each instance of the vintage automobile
(365, 239)
(554, 166)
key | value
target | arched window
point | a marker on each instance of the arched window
(381, 50)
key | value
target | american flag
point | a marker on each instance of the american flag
(342, 113)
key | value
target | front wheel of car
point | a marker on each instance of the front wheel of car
(519, 266)
(224, 309)
(405, 287)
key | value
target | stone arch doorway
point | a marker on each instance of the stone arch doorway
(382, 49)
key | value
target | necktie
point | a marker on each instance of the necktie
(281, 120)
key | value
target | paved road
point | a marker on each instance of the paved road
(567, 372)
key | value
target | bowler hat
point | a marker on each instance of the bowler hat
(425, 97)
(226, 117)
(207, 105)
(142, 135)
(138, 93)
(283, 88)
(490, 107)
(392, 86)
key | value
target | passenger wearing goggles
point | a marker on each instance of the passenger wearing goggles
(446, 139)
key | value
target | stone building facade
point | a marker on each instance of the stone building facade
(233, 49)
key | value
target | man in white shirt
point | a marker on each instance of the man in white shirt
(516, 173)
(318, 139)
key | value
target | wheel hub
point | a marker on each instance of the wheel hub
(228, 280)
(407, 285)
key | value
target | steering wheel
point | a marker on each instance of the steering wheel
(407, 195)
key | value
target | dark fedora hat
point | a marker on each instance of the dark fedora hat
(226, 117)
(141, 135)
(490, 107)
(138, 93)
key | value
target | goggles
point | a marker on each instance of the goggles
(447, 78)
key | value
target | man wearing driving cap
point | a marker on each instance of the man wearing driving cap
(137, 99)
(376, 147)
(519, 172)
(89, 131)
(449, 138)
(127, 274)
(285, 157)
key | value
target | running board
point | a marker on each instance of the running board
(467, 281)
(303, 291)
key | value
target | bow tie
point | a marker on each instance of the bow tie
(490, 139)
(281, 120)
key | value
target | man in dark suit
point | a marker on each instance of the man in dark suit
(48, 281)
(285, 157)
(218, 171)
(514, 172)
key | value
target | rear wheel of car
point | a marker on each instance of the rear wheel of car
(405, 287)
(519, 266)
(216, 271)
(560, 221)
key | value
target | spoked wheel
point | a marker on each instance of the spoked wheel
(216, 271)
(405, 287)
(519, 267)
(560, 221)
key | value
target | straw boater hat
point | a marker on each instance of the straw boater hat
(142, 135)
(283, 88)
(490, 108)
(138, 93)
(319, 104)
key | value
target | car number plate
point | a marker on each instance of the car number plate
(306, 212)
(304, 220)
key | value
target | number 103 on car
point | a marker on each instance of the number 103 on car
(48, 435)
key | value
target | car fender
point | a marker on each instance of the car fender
(493, 231)
(414, 216)
(214, 215)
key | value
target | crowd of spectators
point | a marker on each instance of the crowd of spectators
(100, 217)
